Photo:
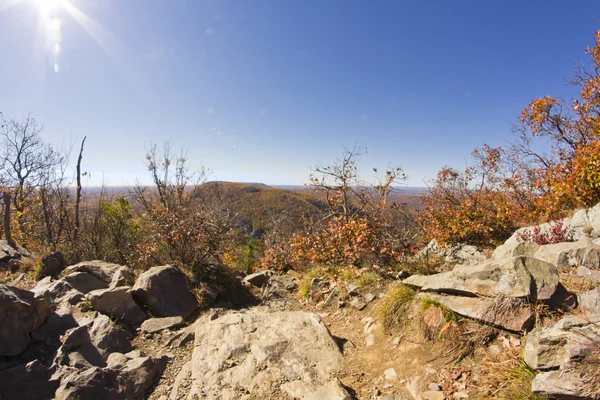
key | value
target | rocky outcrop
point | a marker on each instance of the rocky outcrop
(27, 381)
(589, 301)
(583, 224)
(21, 312)
(455, 254)
(521, 277)
(515, 250)
(566, 356)
(118, 304)
(268, 354)
(570, 254)
(165, 291)
(8, 252)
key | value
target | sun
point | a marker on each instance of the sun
(47, 7)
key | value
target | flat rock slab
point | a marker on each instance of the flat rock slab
(84, 282)
(264, 354)
(100, 269)
(523, 277)
(153, 325)
(506, 316)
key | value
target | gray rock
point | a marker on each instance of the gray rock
(136, 373)
(515, 250)
(358, 303)
(590, 301)
(122, 277)
(75, 338)
(55, 325)
(353, 289)
(118, 304)
(570, 254)
(63, 295)
(100, 269)
(54, 263)
(21, 312)
(513, 277)
(92, 383)
(30, 381)
(84, 282)
(108, 337)
(154, 325)
(511, 315)
(588, 273)
(570, 339)
(332, 390)
(559, 385)
(255, 351)
(165, 291)
(8, 252)
(258, 279)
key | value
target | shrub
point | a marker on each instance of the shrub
(556, 234)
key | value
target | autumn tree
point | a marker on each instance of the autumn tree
(567, 174)
(475, 206)
(26, 162)
(181, 227)
(353, 231)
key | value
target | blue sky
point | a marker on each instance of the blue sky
(263, 90)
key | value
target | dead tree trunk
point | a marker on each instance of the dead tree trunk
(78, 194)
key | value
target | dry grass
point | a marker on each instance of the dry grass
(461, 339)
(505, 376)
(394, 310)
(423, 266)
(587, 369)
(434, 324)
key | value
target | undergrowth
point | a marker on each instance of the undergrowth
(393, 313)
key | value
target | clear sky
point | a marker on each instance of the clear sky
(262, 90)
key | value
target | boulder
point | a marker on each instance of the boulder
(154, 325)
(77, 351)
(588, 273)
(258, 279)
(31, 381)
(84, 282)
(7, 252)
(136, 373)
(590, 301)
(502, 312)
(165, 291)
(558, 385)
(262, 354)
(570, 339)
(21, 312)
(456, 254)
(515, 250)
(570, 254)
(56, 324)
(54, 263)
(523, 277)
(122, 277)
(63, 295)
(100, 269)
(92, 383)
(108, 337)
(117, 303)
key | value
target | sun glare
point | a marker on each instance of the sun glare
(47, 7)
